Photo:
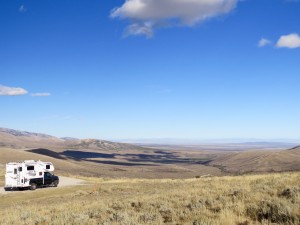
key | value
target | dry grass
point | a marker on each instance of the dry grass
(259, 161)
(240, 200)
(2, 176)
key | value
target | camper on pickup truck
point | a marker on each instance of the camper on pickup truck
(29, 174)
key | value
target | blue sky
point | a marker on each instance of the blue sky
(151, 69)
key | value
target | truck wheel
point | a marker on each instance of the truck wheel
(33, 186)
(7, 189)
(55, 183)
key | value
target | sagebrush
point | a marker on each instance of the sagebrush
(239, 200)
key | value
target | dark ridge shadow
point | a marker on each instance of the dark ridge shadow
(163, 152)
(157, 157)
(79, 155)
(47, 152)
(205, 162)
(163, 158)
(119, 163)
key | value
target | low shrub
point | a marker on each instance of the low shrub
(273, 211)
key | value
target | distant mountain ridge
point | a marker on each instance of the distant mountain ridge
(297, 148)
(24, 133)
(23, 139)
(98, 157)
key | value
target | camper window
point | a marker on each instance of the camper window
(30, 167)
(47, 167)
(20, 169)
(15, 171)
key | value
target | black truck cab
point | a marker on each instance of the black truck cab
(48, 180)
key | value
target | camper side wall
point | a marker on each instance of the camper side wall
(11, 176)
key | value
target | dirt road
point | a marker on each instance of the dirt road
(63, 182)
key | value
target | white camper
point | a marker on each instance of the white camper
(29, 174)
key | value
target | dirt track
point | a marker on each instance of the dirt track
(63, 182)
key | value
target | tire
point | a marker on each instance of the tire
(7, 189)
(55, 183)
(33, 186)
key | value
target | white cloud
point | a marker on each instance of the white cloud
(12, 91)
(22, 9)
(40, 94)
(139, 29)
(289, 41)
(146, 15)
(264, 42)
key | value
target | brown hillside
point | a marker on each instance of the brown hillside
(92, 157)
(25, 140)
(22, 139)
(259, 161)
(295, 150)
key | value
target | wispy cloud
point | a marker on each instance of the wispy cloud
(289, 41)
(15, 91)
(137, 29)
(12, 91)
(40, 94)
(146, 15)
(285, 41)
(264, 42)
(22, 9)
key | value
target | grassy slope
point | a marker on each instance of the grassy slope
(259, 161)
(2, 178)
(251, 199)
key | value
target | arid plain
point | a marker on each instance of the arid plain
(228, 184)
